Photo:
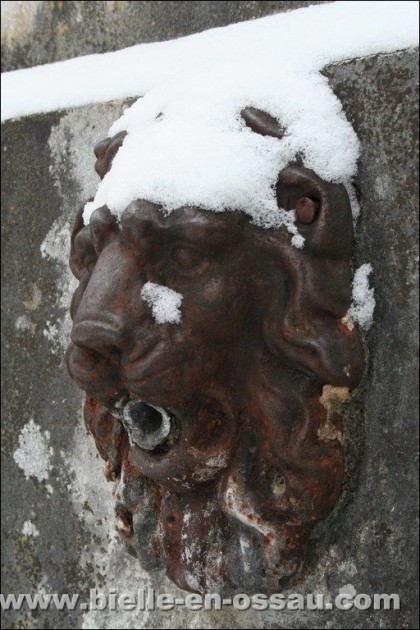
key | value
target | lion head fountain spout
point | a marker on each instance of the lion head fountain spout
(147, 427)
(215, 356)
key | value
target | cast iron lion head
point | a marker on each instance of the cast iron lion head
(222, 431)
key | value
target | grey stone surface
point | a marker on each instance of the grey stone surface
(42, 32)
(369, 542)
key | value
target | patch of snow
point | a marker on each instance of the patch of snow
(363, 301)
(354, 203)
(34, 453)
(288, 218)
(29, 529)
(164, 302)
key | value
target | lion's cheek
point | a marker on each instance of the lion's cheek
(214, 309)
(220, 290)
(177, 374)
(93, 373)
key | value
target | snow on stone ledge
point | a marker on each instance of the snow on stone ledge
(327, 33)
(164, 302)
(186, 142)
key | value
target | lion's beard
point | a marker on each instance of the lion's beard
(228, 501)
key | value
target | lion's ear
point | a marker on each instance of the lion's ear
(105, 151)
(323, 212)
(262, 123)
(307, 327)
(82, 250)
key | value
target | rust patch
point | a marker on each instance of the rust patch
(332, 400)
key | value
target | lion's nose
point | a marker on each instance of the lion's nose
(101, 337)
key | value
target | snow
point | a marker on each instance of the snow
(164, 302)
(317, 34)
(288, 218)
(29, 529)
(363, 301)
(187, 143)
(33, 454)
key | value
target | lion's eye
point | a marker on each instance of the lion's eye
(187, 259)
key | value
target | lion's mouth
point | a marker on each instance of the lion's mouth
(148, 427)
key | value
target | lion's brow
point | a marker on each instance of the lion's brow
(196, 232)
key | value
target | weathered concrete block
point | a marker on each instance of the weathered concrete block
(42, 32)
(369, 542)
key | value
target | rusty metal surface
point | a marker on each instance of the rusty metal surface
(223, 487)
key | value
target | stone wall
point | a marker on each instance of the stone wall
(57, 509)
(41, 32)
